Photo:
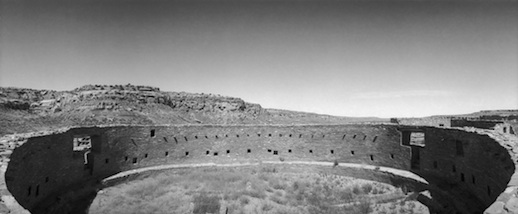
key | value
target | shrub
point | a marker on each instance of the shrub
(244, 200)
(366, 188)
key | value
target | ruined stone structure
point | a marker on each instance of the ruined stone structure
(466, 171)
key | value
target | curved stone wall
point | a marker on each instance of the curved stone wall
(470, 168)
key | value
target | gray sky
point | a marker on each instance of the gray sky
(366, 58)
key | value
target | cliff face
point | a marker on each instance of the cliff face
(23, 110)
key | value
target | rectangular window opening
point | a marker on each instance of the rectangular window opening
(215, 153)
(207, 152)
(82, 143)
(145, 155)
(228, 151)
(186, 153)
(372, 157)
(352, 152)
(392, 156)
(275, 152)
(269, 150)
(310, 151)
(125, 158)
(134, 160)
(166, 154)
(152, 133)
(248, 150)
(332, 151)
(289, 150)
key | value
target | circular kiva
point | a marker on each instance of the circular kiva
(464, 171)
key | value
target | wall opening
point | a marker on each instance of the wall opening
(145, 155)
(228, 151)
(237, 135)
(258, 135)
(269, 135)
(372, 157)
(125, 158)
(352, 152)
(289, 135)
(175, 140)
(46, 179)
(435, 164)
(226, 135)
(473, 179)
(152, 133)
(269, 150)
(165, 139)
(185, 138)
(459, 148)
(354, 136)
(488, 191)
(186, 153)
(134, 160)
(29, 191)
(248, 150)
(207, 152)
(166, 154)
(462, 177)
(375, 138)
(275, 152)
(82, 143)
(37, 190)
(415, 160)
(280, 135)
(300, 135)
(364, 137)
(215, 153)
(107, 160)
(289, 150)
(343, 137)
(332, 151)
(392, 156)
(195, 136)
(511, 131)
(453, 168)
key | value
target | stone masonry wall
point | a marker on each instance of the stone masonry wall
(45, 167)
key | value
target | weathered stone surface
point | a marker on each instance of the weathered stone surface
(512, 205)
(495, 208)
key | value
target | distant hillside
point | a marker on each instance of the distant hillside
(26, 110)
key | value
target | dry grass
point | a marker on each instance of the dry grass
(240, 191)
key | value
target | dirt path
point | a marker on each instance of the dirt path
(397, 172)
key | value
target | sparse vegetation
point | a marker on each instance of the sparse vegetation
(247, 191)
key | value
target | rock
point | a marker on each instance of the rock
(495, 208)
(512, 205)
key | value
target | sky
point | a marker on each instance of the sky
(344, 58)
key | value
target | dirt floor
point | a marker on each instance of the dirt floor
(262, 189)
